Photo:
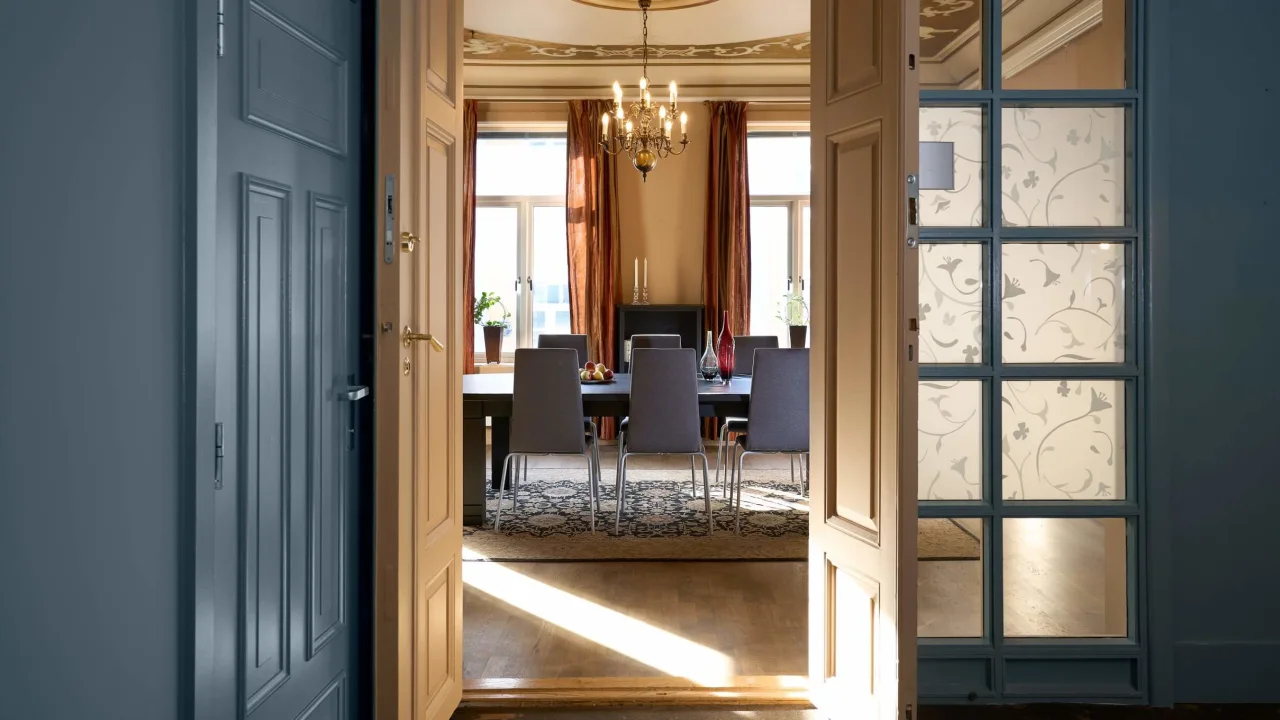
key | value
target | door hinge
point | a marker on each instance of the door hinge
(222, 23)
(219, 452)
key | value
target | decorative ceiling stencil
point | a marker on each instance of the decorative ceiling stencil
(633, 5)
(486, 46)
(942, 22)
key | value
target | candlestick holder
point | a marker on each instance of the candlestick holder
(644, 295)
(635, 295)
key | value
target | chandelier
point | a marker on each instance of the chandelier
(643, 131)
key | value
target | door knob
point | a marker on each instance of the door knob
(409, 337)
(408, 241)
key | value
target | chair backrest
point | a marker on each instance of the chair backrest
(546, 414)
(573, 342)
(664, 402)
(778, 418)
(744, 351)
(655, 341)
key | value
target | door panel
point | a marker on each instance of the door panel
(418, 619)
(288, 193)
(863, 380)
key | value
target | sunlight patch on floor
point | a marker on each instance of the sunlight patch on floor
(661, 650)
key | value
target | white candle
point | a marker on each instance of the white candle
(636, 280)
(668, 129)
(662, 112)
(647, 101)
(644, 83)
(604, 126)
(684, 122)
(673, 93)
(617, 92)
(646, 272)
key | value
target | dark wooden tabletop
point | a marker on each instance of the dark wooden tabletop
(489, 387)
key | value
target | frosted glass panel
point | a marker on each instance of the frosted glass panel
(949, 577)
(1063, 302)
(1063, 166)
(1065, 577)
(949, 424)
(950, 298)
(961, 206)
(1061, 440)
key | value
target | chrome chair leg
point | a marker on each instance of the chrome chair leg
(706, 493)
(502, 488)
(621, 491)
(693, 477)
(737, 510)
(720, 458)
(793, 468)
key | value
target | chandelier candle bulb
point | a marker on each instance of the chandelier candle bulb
(673, 93)
(684, 123)
(644, 82)
(604, 126)
(668, 129)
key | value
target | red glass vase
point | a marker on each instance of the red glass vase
(724, 350)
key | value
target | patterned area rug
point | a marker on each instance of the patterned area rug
(661, 521)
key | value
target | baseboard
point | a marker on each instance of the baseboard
(741, 690)
(1226, 672)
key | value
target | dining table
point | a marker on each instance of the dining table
(488, 399)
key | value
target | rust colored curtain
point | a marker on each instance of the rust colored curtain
(591, 219)
(469, 129)
(726, 266)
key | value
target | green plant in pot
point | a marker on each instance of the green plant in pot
(794, 312)
(495, 324)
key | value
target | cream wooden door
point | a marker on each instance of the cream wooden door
(862, 558)
(418, 585)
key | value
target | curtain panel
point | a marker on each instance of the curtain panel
(726, 268)
(470, 125)
(591, 219)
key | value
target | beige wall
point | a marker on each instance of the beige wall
(663, 219)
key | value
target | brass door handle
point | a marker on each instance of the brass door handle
(409, 337)
(408, 241)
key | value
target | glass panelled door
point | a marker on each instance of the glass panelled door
(1031, 257)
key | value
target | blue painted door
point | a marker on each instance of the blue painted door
(288, 196)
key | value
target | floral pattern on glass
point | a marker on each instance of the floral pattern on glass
(949, 444)
(1062, 166)
(1062, 440)
(1062, 302)
(962, 205)
(950, 302)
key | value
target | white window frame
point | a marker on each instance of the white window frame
(797, 266)
(521, 284)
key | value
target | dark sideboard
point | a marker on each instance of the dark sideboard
(683, 320)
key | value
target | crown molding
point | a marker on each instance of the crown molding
(488, 47)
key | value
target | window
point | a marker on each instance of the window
(521, 249)
(778, 177)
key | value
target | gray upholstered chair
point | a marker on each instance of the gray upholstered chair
(654, 341)
(664, 416)
(665, 342)
(744, 356)
(779, 414)
(573, 342)
(546, 418)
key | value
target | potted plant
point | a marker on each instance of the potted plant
(494, 329)
(794, 312)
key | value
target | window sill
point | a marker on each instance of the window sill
(484, 368)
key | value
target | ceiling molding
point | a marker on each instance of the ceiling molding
(487, 47)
